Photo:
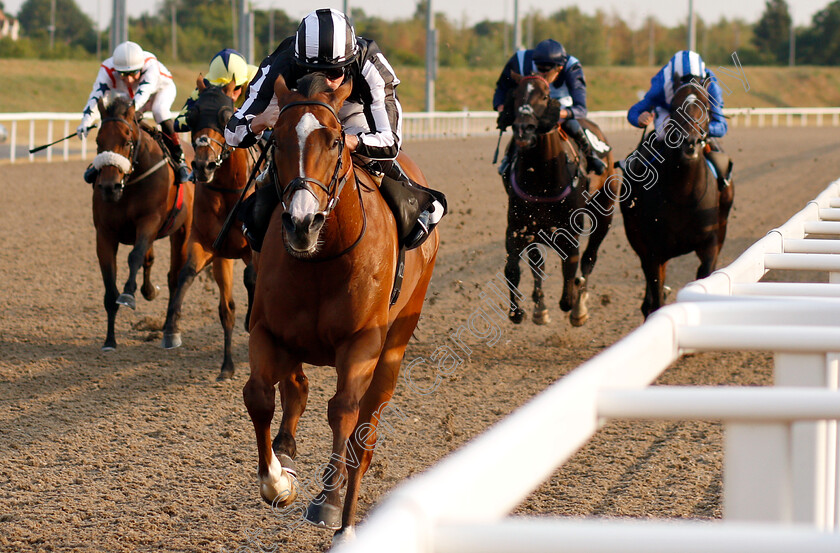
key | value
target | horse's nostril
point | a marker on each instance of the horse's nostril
(288, 224)
(317, 222)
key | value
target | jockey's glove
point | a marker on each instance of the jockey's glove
(82, 131)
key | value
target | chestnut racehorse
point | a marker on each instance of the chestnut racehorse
(135, 201)
(550, 196)
(673, 207)
(324, 282)
(220, 173)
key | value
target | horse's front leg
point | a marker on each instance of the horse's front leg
(269, 365)
(654, 286)
(149, 290)
(513, 245)
(355, 364)
(223, 273)
(374, 404)
(570, 289)
(106, 252)
(537, 263)
(708, 256)
(136, 259)
(197, 259)
(249, 278)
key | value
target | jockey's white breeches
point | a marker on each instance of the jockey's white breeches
(160, 103)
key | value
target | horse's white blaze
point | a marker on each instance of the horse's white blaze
(303, 203)
(278, 485)
(304, 128)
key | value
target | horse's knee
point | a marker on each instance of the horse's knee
(342, 411)
(258, 396)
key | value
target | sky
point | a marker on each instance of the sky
(634, 12)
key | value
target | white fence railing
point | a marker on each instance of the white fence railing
(780, 477)
(27, 130)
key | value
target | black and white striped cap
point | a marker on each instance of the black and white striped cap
(324, 40)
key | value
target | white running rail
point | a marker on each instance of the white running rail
(27, 130)
(781, 443)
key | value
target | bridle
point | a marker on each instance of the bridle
(336, 184)
(703, 137)
(206, 141)
(108, 157)
(332, 190)
(123, 163)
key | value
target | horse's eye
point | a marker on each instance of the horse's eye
(336, 143)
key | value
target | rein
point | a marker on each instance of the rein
(332, 190)
(517, 189)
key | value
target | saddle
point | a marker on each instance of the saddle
(162, 140)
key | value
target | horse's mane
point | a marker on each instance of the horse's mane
(550, 116)
(312, 83)
(692, 85)
(116, 103)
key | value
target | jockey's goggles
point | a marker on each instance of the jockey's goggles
(335, 73)
(129, 73)
(545, 67)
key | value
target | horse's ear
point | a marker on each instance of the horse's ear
(199, 83)
(341, 93)
(515, 76)
(280, 87)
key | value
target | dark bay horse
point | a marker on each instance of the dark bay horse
(221, 173)
(671, 202)
(324, 281)
(550, 197)
(135, 201)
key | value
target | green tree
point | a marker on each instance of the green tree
(73, 28)
(772, 32)
(820, 43)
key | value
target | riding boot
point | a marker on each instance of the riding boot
(593, 162)
(417, 209)
(721, 162)
(90, 174)
(255, 214)
(506, 162)
(174, 144)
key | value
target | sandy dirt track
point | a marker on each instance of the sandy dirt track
(141, 450)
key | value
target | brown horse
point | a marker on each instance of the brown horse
(550, 195)
(221, 173)
(325, 276)
(135, 201)
(671, 202)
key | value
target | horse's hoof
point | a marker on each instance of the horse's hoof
(150, 293)
(580, 320)
(541, 317)
(279, 488)
(225, 376)
(323, 515)
(127, 300)
(516, 315)
(171, 341)
(580, 314)
(345, 535)
(106, 348)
